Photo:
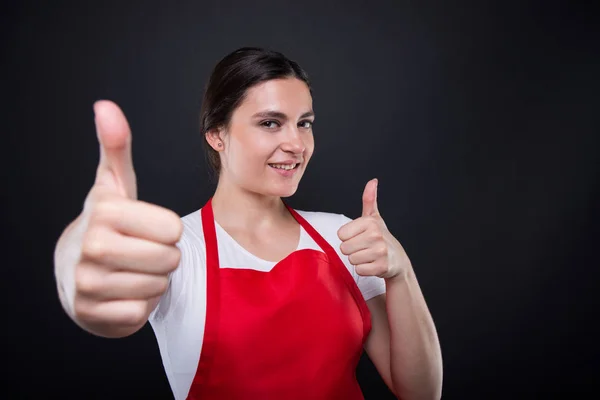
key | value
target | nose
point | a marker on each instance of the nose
(293, 141)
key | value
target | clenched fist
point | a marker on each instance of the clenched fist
(112, 263)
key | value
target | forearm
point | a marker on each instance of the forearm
(415, 359)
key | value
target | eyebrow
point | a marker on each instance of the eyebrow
(280, 115)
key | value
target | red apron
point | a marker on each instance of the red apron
(295, 332)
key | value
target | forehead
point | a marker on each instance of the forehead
(290, 96)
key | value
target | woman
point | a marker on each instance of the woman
(248, 297)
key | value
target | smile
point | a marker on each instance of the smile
(286, 167)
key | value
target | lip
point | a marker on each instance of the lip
(287, 162)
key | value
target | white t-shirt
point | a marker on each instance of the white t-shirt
(178, 320)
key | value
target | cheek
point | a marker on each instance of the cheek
(249, 151)
(309, 145)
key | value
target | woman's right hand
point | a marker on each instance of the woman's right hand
(113, 262)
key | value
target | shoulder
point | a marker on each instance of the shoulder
(326, 223)
(324, 219)
(192, 228)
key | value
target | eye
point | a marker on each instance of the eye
(306, 124)
(271, 124)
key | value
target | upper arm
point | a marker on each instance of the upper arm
(377, 345)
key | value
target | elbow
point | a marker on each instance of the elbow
(421, 396)
(424, 395)
(425, 389)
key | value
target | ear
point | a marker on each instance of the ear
(214, 137)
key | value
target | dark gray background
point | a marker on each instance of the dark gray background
(480, 121)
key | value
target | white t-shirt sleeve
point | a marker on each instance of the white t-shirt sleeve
(370, 286)
(177, 278)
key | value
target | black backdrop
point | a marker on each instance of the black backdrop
(480, 121)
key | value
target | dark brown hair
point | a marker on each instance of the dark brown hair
(229, 82)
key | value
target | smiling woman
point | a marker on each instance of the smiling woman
(248, 298)
(254, 82)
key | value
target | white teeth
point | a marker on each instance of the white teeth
(287, 167)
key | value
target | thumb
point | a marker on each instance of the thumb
(115, 169)
(370, 198)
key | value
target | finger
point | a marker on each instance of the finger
(369, 199)
(353, 228)
(359, 242)
(98, 283)
(138, 219)
(365, 256)
(115, 251)
(369, 269)
(117, 312)
(115, 168)
(151, 222)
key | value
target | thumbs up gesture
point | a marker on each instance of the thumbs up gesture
(112, 263)
(369, 245)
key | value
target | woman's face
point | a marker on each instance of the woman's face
(270, 139)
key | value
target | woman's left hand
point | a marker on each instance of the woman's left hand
(369, 245)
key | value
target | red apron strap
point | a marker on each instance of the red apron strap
(212, 293)
(337, 263)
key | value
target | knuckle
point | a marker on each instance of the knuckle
(93, 246)
(175, 258)
(84, 283)
(179, 227)
(135, 314)
(95, 195)
(82, 311)
(375, 234)
(175, 227)
(172, 258)
(343, 248)
(382, 250)
(106, 211)
(162, 285)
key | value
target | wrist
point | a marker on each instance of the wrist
(402, 276)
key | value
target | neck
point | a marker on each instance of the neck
(237, 208)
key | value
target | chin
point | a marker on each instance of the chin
(281, 191)
(287, 194)
(287, 191)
